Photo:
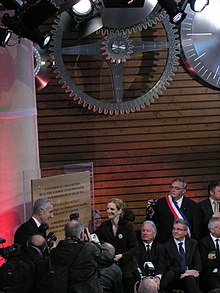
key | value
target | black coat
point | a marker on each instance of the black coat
(210, 279)
(24, 231)
(206, 214)
(163, 218)
(83, 272)
(125, 243)
(156, 256)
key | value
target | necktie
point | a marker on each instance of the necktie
(217, 248)
(216, 206)
(182, 255)
(148, 249)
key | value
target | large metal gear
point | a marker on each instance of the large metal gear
(111, 49)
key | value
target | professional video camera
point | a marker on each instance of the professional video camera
(8, 251)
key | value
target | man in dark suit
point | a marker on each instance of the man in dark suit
(210, 254)
(151, 252)
(183, 260)
(163, 215)
(42, 213)
(210, 207)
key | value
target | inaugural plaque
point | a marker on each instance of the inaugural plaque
(70, 193)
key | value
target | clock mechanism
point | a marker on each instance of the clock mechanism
(200, 42)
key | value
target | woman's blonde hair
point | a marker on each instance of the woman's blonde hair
(119, 203)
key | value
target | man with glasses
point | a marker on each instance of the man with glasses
(42, 213)
(173, 206)
(183, 260)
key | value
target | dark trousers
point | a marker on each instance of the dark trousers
(128, 284)
(170, 281)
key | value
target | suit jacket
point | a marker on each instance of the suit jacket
(207, 246)
(26, 230)
(125, 243)
(193, 258)
(206, 214)
(156, 256)
(163, 218)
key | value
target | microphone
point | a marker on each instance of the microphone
(2, 240)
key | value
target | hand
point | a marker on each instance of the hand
(150, 208)
(87, 237)
(157, 281)
(117, 257)
(193, 273)
(216, 215)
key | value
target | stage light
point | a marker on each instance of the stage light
(198, 5)
(28, 15)
(175, 13)
(82, 8)
(17, 26)
(5, 35)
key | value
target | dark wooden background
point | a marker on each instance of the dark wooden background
(136, 155)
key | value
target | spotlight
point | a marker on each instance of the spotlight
(176, 14)
(5, 35)
(82, 8)
(16, 25)
(198, 5)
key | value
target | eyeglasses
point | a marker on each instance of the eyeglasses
(179, 229)
(176, 187)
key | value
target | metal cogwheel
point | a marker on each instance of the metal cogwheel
(111, 52)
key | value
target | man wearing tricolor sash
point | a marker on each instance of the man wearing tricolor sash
(176, 206)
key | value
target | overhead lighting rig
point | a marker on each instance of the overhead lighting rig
(175, 9)
(27, 16)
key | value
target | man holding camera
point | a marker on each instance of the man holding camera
(83, 258)
(151, 253)
(42, 213)
(175, 205)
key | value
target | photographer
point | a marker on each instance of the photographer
(86, 257)
(23, 267)
(151, 259)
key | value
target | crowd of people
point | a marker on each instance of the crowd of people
(177, 248)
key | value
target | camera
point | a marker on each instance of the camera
(74, 216)
(149, 268)
(50, 238)
(8, 251)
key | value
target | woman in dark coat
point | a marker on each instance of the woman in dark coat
(121, 234)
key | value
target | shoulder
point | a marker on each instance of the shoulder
(190, 202)
(204, 202)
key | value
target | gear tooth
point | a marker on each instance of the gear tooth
(84, 104)
(100, 110)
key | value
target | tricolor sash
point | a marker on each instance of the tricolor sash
(177, 212)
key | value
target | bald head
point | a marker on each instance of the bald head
(74, 229)
(148, 285)
(37, 241)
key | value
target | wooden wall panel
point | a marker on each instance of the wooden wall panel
(136, 156)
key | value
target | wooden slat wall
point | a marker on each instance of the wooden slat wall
(136, 156)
